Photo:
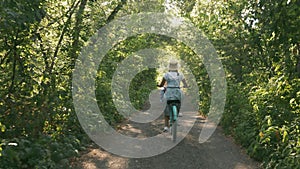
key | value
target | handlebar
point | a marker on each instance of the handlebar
(174, 87)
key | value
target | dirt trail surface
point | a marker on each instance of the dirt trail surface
(219, 152)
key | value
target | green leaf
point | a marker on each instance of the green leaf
(285, 136)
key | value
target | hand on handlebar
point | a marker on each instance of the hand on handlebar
(159, 85)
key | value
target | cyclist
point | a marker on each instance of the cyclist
(173, 94)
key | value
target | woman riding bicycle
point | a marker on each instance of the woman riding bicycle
(173, 93)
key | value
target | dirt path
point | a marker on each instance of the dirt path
(219, 152)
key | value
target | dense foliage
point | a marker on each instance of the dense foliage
(257, 42)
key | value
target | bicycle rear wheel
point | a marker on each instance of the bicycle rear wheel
(174, 123)
(174, 130)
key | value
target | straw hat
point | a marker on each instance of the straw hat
(173, 65)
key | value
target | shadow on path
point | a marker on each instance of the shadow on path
(219, 152)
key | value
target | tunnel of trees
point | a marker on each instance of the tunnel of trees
(258, 43)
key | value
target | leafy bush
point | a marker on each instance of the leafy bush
(238, 119)
(141, 86)
(2, 129)
(265, 120)
(279, 131)
(40, 153)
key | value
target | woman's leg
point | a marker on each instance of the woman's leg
(167, 119)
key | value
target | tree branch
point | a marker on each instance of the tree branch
(76, 35)
(11, 88)
(115, 11)
(74, 6)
